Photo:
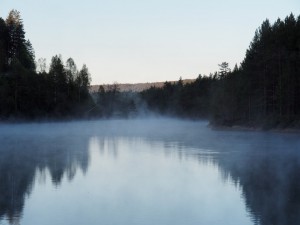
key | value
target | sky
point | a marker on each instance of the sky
(136, 41)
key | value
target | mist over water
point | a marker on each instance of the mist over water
(155, 171)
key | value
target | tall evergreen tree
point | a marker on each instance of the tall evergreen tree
(4, 41)
(19, 49)
(83, 82)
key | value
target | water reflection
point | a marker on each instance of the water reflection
(266, 166)
(151, 161)
(270, 184)
(24, 155)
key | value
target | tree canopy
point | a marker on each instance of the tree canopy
(27, 93)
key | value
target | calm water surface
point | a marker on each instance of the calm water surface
(140, 172)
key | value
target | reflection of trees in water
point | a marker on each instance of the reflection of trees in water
(266, 171)
(267, 174)
(265, 166)
(21, 159)
(106, 145)
(270, 185)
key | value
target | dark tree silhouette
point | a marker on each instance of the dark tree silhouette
(26, 94)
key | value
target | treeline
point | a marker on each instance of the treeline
(28, 94)
(191, 100)
(113, 103)
(175, 99)
(264, 91)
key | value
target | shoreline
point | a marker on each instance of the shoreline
(252, 129)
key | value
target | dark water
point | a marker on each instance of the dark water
(162, 172)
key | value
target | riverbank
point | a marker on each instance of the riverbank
(253, 128)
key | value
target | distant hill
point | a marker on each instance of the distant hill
(137, 87)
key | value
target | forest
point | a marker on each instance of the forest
(27, 91)
(263, 91)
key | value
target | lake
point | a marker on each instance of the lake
(142, 172)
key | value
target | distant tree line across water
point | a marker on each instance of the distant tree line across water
(263, 91)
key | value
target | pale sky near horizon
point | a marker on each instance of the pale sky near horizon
(136, 41)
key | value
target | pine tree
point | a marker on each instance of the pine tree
(19, 49)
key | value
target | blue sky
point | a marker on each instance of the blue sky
(144, 41)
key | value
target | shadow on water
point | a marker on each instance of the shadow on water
(264, 166)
